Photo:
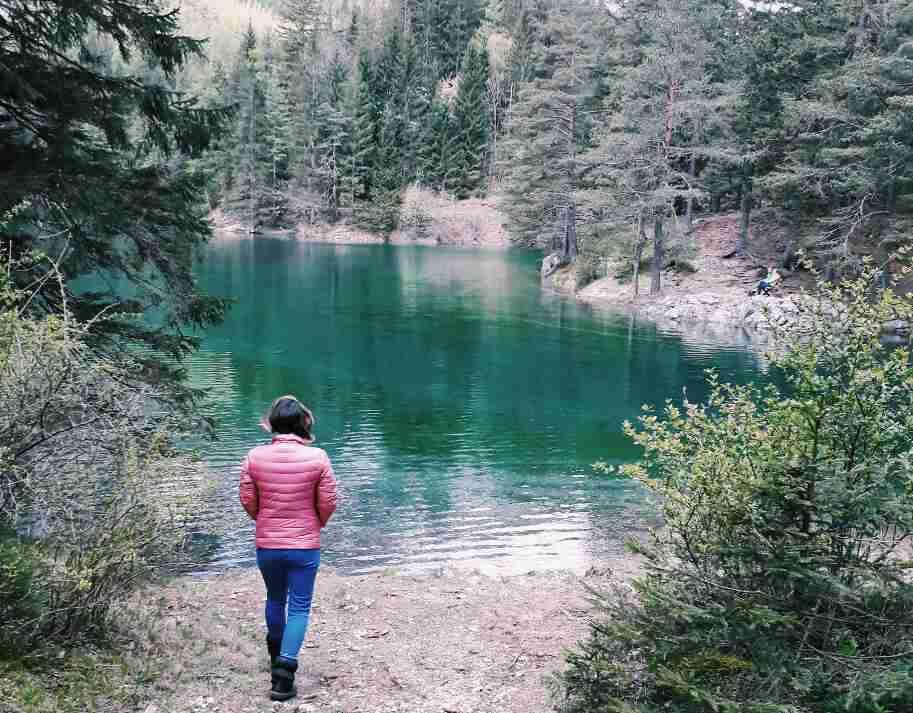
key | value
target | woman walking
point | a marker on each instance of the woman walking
(288, 487)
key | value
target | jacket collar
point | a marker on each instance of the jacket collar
(290, 438)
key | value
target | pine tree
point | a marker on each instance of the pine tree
(547, 132)
(384, 211)
(455, 22)
(363, 159)
(435, 144)
(471, 124)
(249, 194)
(336, 158)
(390, 87)
(336, 141)
(302, 21)
(846, 112)
(88, 154)
(217, 164)
(387, 81)
(663, 103)
(303, 24)
(275, 148)
(417, 88)
(423, 32)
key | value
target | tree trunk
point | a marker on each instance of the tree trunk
(493, 168)
(742, 245)
(859, 39)
(689, 216)
(639, 251)
(334, 195)
(789, 255)
(567, 249)
(658, 256)
(252, 170)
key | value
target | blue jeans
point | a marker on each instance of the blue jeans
(288, 575)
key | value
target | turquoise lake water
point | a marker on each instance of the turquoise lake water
(462, 405)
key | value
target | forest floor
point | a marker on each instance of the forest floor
(382, 643)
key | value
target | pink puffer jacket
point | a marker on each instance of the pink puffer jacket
(288, 487)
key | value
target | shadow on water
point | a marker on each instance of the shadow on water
(462, 406)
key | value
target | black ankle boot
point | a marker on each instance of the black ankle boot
(283, 680)
(272, 645)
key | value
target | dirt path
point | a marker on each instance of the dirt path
(456, 643)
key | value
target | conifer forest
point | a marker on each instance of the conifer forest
(604, 129)
(427, 221)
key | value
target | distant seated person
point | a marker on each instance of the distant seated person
(768, 283)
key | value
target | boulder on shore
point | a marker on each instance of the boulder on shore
(550, 265)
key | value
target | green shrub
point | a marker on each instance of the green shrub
(624, 271)
(20, 591)
(380, 215)
(779, 582)
(589, 269)
(85, 449)
(682, 265)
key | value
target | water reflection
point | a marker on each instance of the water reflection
(461, 405)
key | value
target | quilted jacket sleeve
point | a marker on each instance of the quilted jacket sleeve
(248, 490)
(326, 494)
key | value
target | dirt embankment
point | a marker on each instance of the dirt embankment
(426, 218)
(454, 643)
(716, 292)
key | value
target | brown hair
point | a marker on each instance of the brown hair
(289, 415)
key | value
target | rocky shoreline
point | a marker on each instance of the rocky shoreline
(715, 309)
(756, 315)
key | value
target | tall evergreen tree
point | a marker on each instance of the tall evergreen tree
(550, 127)
(436, 146)
(252, 154)
(471, 123)
(847, 108)
(417, 87)
(84, 155)
(457, 22)
(363, 159)
(663, 105)
(275, 147)
(335, 140)
(383, 214)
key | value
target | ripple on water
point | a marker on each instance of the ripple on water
(461, 407)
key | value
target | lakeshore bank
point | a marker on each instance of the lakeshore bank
(426, 218)
(710, 292)
(711, 295)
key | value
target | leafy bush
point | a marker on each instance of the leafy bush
(85, 448)
(624, 271)
(589, 269)
(18, 589)
(780, 581)
(682, 266)
(415, 212)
